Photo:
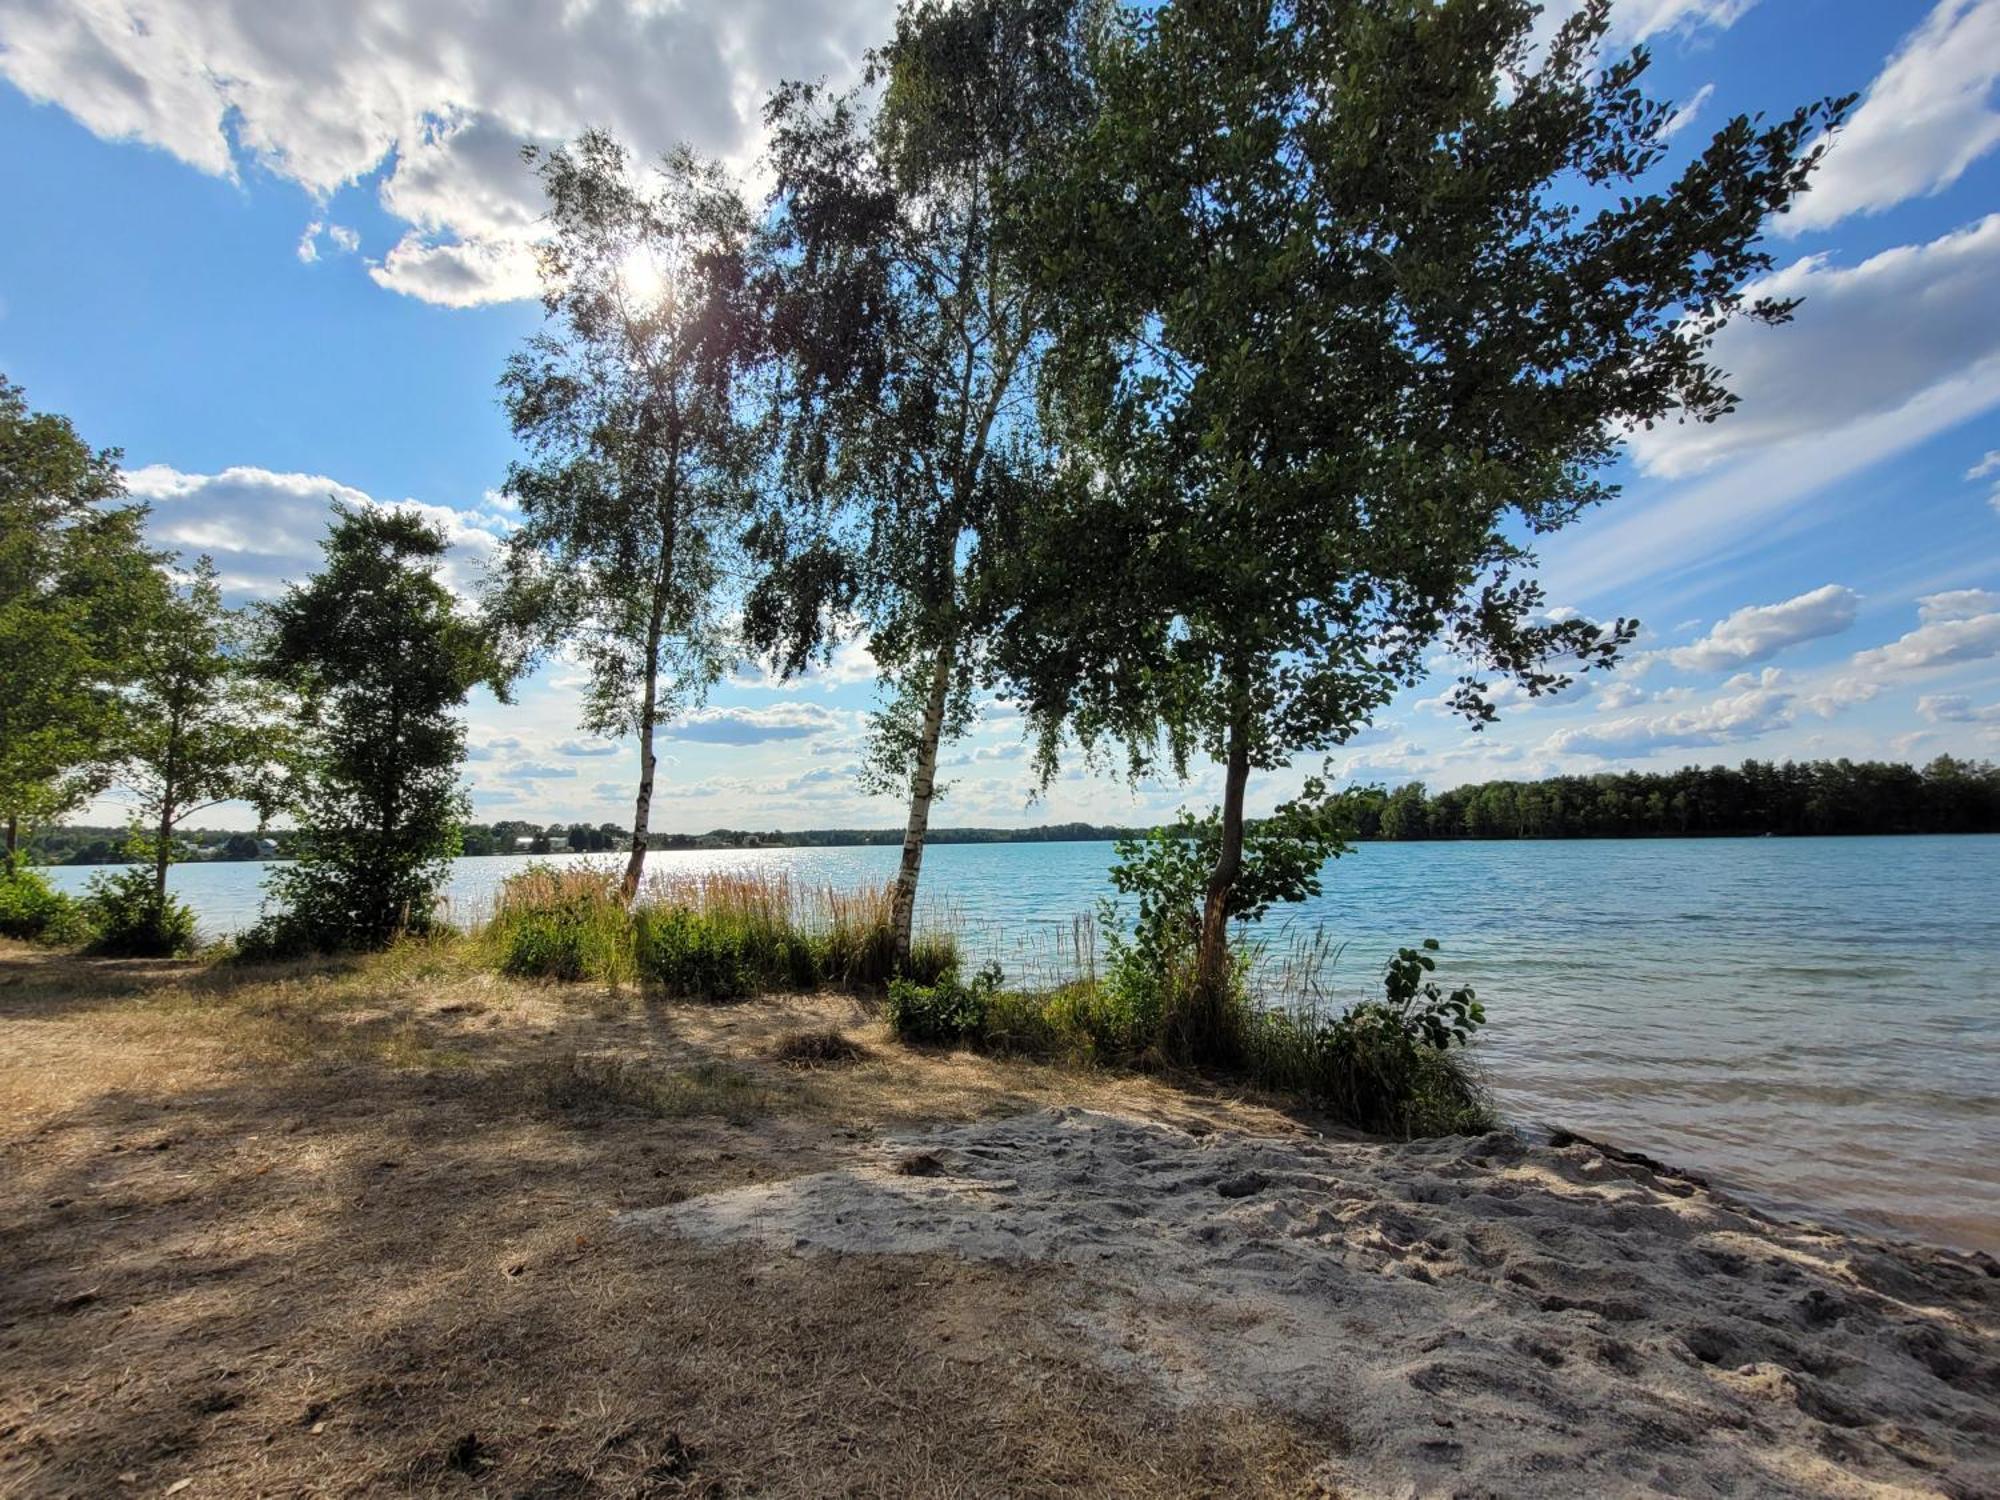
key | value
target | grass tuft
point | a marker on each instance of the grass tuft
(716, 935)
(582, 1084)
(816, 1048)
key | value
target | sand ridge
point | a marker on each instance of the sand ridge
(1477, 1315)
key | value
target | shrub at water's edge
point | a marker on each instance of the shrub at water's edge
(130, 917)
(34, 911)
(1396, 1066)
(713, 935)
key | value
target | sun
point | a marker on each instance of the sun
(643, 278)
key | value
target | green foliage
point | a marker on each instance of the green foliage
(640, 447)
(1336, 343)
(198, 728)
(77, 585)
(567, 924)
(1168, 873)
(905, 340)
(948, 1010)
(1395, 1066)
(130, 917)
(717, 936)
(34, 911)
(377, 660)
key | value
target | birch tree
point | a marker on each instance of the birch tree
(640, 450)
(907, 330)
(1359, 298)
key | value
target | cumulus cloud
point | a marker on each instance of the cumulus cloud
(431, 99)
(264, 529)
(537, 770)
(1956, 708)
(1866, 340)
(1957, 604)
(1941, 643)
(591, 746)
(1751, 706)
(1758, 632)
(1986, 467)
(754, 726)
(1928, 116)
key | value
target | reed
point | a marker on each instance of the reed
(714, 934)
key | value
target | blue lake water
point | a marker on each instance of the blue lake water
(1814, 1022)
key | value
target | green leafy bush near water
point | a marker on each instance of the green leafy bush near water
(34, 911)
(130, 917)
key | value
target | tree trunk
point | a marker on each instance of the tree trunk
(161, 855)
(923, 787)
(642, 809)
(13, 840)
(1207, 1033)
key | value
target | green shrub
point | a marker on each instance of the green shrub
(948, 1011)
(34, 911)
(131, 919)
(567, 924)
(1395, 1066)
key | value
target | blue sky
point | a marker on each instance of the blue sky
(276, 260)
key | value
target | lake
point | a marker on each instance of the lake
(1814, 1022)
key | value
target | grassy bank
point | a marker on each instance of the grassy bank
(1378, 1066)
(716, 934)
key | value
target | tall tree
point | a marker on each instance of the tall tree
(907, 330)
(641, 446)
(379, 659)
(76, 586)
(197, 727)
(1359, 298)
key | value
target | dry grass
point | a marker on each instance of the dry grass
(345, 1230)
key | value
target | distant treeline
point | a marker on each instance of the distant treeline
(96, 845)
(1757, 797)
(1792, 797)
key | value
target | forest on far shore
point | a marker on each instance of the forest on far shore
(1757, 797)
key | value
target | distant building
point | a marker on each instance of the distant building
(525, 844)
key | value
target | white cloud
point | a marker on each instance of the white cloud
(344, 241)
(264, 528)
(1865, 340)
(1956, 708)
(536, 770)
(435, 96)
(1751, 707)
(1942, 643)
(1880, 358)
(1928, 116)
(1957, 604)
(1758, 632)
(752, 726)
(1635, 21)
(592, 746)
(1986, 467)
(1683, 117)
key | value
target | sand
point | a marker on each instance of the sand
(1475, 1316)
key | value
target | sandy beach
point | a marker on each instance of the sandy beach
(1477, 1315)
(405, 1227)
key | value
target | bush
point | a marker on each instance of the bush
(948, 1011)
(562, 923)
(133, 920)
(34, 911)
(1395, 1066)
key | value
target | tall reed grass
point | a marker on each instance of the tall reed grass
(714, 934)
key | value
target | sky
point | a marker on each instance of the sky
(278, 254)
